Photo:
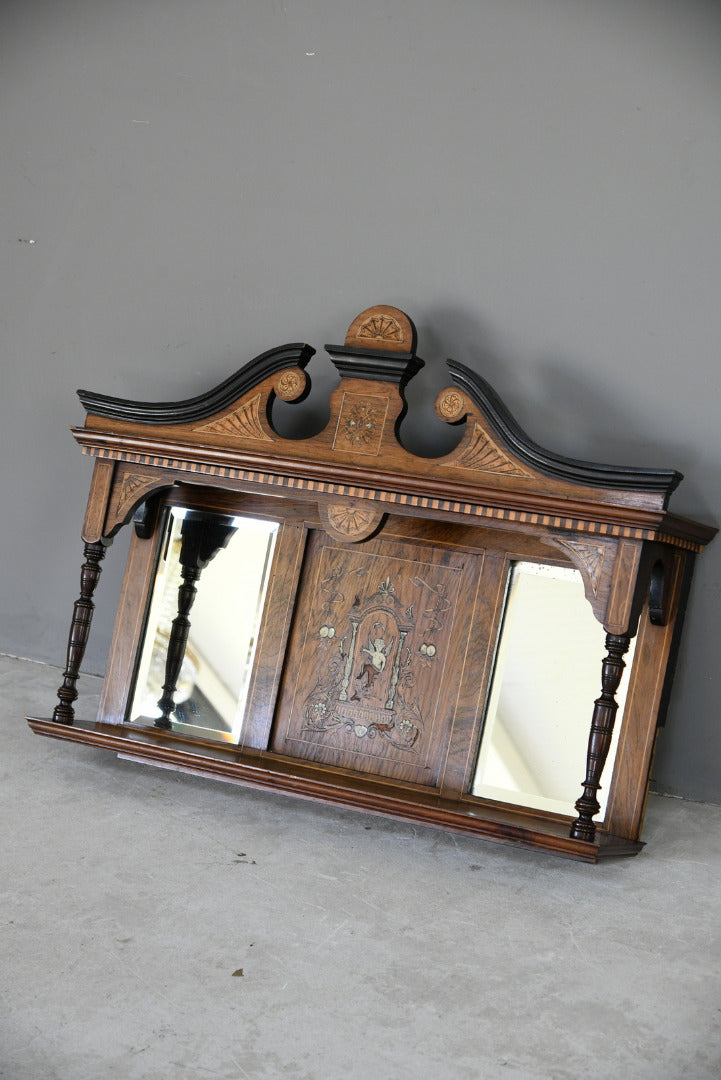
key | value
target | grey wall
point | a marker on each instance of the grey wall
(535, 181)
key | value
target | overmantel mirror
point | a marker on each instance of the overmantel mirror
(482, 641)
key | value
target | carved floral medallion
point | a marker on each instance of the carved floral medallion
(451, 405)
(290, 384)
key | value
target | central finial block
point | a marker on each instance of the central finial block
(382, 328)
(380, 345)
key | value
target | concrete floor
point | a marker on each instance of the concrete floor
(369, 950)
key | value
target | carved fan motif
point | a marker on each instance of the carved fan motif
(387, 329)
(483, 455)
(244, 423)
(589, 555)
(381, 328)
(132, 485)
(349, 521)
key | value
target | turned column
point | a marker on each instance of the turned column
(79, 630)
(202, 537)
(599, 741)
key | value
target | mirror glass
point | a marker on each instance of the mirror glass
(546, 677)
(231, 557)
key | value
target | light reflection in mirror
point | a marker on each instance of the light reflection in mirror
(225, 616)
(546, 677)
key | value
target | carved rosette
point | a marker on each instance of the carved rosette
(242, 423)
(290, 384)
(451, 405)
(349, 521)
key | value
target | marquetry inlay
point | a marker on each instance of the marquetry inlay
(360, 424)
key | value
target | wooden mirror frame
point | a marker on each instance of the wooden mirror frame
(352, 501)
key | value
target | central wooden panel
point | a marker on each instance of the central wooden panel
(376, 657)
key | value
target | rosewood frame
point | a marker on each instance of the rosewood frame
(353, 488)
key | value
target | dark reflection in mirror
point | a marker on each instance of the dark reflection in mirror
(546, 677)
(205, 613)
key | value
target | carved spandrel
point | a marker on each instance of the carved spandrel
(130, 488)
(594, 559)
(589, 557)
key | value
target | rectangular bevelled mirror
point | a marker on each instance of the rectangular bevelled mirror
(210, 690)
(536, 724)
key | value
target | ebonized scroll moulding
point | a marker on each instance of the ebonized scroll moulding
(482, 641)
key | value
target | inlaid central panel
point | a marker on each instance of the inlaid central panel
(375, 657)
